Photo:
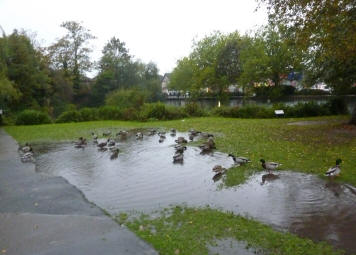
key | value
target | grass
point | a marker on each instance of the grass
(311, 149)
(183, 230)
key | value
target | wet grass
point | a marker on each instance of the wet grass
(183, 230)
(310, 148)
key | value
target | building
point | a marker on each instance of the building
(164, 83)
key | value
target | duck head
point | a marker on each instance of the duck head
(262, 161)
(338, 161)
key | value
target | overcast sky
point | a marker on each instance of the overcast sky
(157, 30)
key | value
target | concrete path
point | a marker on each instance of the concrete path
(46, 215)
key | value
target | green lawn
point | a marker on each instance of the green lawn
(311, 149)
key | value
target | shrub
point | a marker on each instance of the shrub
(309, 109)
(193, 109)
(88, 114)
(255, 111)
(69, 116)
(154, 111)
(130, 114)
(175, 112)
(32, 117)
(337, 105)
(312, 92)
(110, 113)
(225, 111)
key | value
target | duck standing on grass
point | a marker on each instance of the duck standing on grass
(335, 170)
(270, 166)
(239, 160)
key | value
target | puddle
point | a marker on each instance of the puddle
(231, 246)
(309, 122)
(143, 178)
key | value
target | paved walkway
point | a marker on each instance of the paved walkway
(46, 215)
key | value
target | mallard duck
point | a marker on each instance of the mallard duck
(103, 144)
(219, 169)
(240, 160)
(269, 166)
(180, 148)
(122, 133)
(81, 142)
(180, 140)
(178, 158)
(111, 142)
(139, 136)
(211, 143)
(94, 136)
(152, 132)
(27, 157)
(115, 153)
(206, 135)
(107, 133)
(26, 148)
(335, 170)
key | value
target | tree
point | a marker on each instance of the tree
(23, 74)
(182, 77)
(71, 53)
(327, 29)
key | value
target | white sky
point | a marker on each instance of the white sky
(157, 30)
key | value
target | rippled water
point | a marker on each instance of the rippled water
(144, 178)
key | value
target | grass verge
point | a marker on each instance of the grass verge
(183, 230)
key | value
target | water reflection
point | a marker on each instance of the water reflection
(144, 178)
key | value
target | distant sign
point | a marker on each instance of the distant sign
(279, 112)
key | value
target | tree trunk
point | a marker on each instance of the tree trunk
(353, 117)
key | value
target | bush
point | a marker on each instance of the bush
(312, 92)
(309, 109)
(110, 113)
(69, 116)
(255, 111)
(32, 117)
(225, 111)
(337, 105)
(193, 109)
(88, 114)
(154, 111)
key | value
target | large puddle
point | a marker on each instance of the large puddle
(144, 178)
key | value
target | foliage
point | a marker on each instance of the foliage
(71, 53)
(109, 113)
(32, 117)
(126, 98)
(69, 116)
(274, 92)
(184, 230)
(327, 31)
(182, 77)
(88, 114)
(337, 105)
(193, 109)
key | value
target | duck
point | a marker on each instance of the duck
(269, 166)
(114, 153)
(180, 140)
(26, 148)
(206, 135)
(103, 144)
(211, 143)
(178, 158)
(107, 133)
(94, 136)
(239, 160)
(180, 148)
(191, 137)
(139, 135)
(27, 157)
(205, 149)
(152, 132)
(81, 142)
(219, 169)
(111, 142)
(122, 133)
(194, 132)
(335, 170)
